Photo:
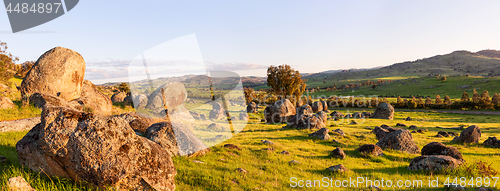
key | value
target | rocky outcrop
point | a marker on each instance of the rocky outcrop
(436, 148)
(171, 94)
(279, 111)
(97, 149)
(176, 138)
(338, 168)
(317, 106)
(382, 131)
(217, 112)
(470, 135)
(384, 111)
(137, 122)
(492, 142)
(94, 101)
(118, 97)
(433, 162)
(140, 101)
(59, 72)
(401, 140)
(6, 103)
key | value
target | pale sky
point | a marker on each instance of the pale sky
(248, 36)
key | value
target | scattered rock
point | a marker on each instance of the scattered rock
(401, 140)
(118, 97)
(492, 142)
(216, 127)
(439, 136)
(371, 150)
(321, 134)
(177, 139)
(452, 133)
(400, 125)
(59, 72)
(412, 127)
(325, 106)
(18, 183)
(174, 94)
(353, 123)
(323, 116)
(309, 122)
(232, 146)
(317, 106)
(39, 100)
(366, 114)
(436, 148)
(294, 162)
(433, 162)
(384, 111)
(285, 152)
(140, 101)
(338, 153)
(382, 131)
(408, 119)
(339, 132)
(338, 168)
(241, 170)
(97, 149)
(252, 108)
(336, 115)
(420, 131)
(262, 120)
(267, 142)
(443, 134)
(243, 116)
(470, 135)
(357, 115)
(6, 103)
(304, 110)
(279, 111)
(128, 100)
(217, 112)
(416, 132)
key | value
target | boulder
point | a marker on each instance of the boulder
(92, 100)
(339, 132)
(323, 116)
(321, 134)
(444, 134)
(176, 138)
(336, 115)
(6, 103)
(436, 148)
(492, 142)
(412, 127)
(137, 122)
(279, 111)
(59, 72)
(357, 115)
(400, 125)
(338, 153)
(338, 168)
(232, 146)
(470, 135)
(252, 108)
(96, 149)
(118, 97)
(140, 101)
(18, 183)
(370, 150)
(170, 95)
(304, 110)
(217, 112)
(243, 116)
(382, 131)
(325, 106)
(180, 114)
(128, 100)
(401, 140)
(19, 125)
(309, 122)
(408, 119)
(384, 111)
(216, 127)
(433, 162)
(367, 114)
(39, 100)
(317, 106)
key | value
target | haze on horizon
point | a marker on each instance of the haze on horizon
(247, 37)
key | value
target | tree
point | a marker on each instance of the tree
(496, 99)
(485, 101)
(428, 101)
(420, 102)
(443, 78)
(465, 97)
(123, 87)
(399, 102)
(285, 81)
(25, 68)
(7, 63)
(374, 86)
(438, 100)
(447, 100)
(249, 94)
(475, 97)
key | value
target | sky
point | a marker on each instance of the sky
(246, 37)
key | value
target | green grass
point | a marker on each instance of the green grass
(270, 170)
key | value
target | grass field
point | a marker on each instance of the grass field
(270, 170)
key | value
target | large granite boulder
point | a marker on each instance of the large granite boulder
(317, 106)
(94, 101)
(433, 162)
(279, 111)
(321, 134)
(104, 151)
(323, 116)
(217, 111)
(171, 94)
(492, 142)
(176, 138)
(308, 122)
(40, 100)
(370, 150)
(304, 110)
(470, 135)
(384, 111)
(6, 103)
(118, 97)
(59, 72)
(252, 108)
(325, 105)
(401, 140)
(436, 148)
(382, 131)
(140, 101)
(137, 122)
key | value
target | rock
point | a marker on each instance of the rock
(174, 94)
(216, 127)
(195, 115)
(366, 114)
(309, 122)
(370, 150)
(19, 125)
(3, 87)
(408, 119)
(420, 131)
(357, 115)
(137, 122)
(348, 116)
(262, 120)
(294, 162)
(384, 111)
(339, 132)
(140, 101)
(252, 108)
(325, 106)
(93, 101)
(338, 168)
(128, 100)
(338, 153)
(400, 125)
(336, 115)
(39, 100)
(232, 146)
(317, 106)
(438, 136)
(241, 170)
(202, 117)
(484, 189)
(492, 142)
(452, 134)
(267, 142)
(285, 152)
(279, 111)
(436, 148)
(353, 123)
(412, 127)
(59, 72)
(96, 149)
(381, 132)
(327, 111)
(243, 116)
(217, 112)
(6, 103)
(176, 138)
(444, 134)
(433, 162)
(470, 135)
(118, 97)
(321, 134)
(323, 116)
(401, 140)
(20, 184)
(416, 132)
(304, 110)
